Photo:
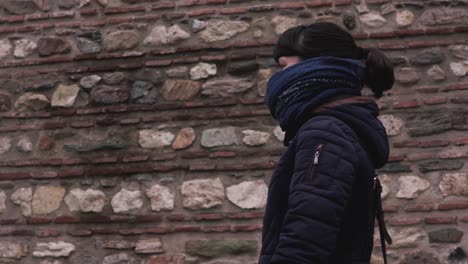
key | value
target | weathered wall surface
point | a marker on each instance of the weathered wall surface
(135, 131)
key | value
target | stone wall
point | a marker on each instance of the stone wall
(134, 131)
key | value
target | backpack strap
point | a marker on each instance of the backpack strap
(379, 214)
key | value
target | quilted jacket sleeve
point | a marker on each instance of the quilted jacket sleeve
(320, 189)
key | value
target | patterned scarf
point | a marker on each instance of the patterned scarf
(297, 90)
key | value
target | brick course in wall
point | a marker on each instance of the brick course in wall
(134, 131)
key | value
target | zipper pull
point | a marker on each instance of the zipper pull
(317, 153)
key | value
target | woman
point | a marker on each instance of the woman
(322, 202)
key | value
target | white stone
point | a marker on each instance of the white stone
(202, 71)
(282, 23)
(198, 25)
(2, 202)
(248, 194)
(23, 198)
(154, 138)
(452, 153)
(161, 198)
(5, 145)
(89, 82)
(459, 69)
(362, 8)
(263, 76)
(12, 250)
(279, 134)
(126, 200)
(31, 102)
(202, 193)
(85, 201)
(406, 237)
(119, 258)
(53, 249)
(255, 138)
(151, 246)
(411, 186)
(404, 18)
(24, 145)
(65, 95)
(454, 184)
(218, 30)
(227, 86)
(47, 199)
(47, 261)
(459, 51)
(161, 35)
(392, 124)
(387, 9)
(436, 73)
(5, 48)
(177, 72)
(373, 19)
(216, 137)
(24, 48)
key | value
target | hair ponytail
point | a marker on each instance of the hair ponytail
(379, 71)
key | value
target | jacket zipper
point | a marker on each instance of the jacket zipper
(314, 164)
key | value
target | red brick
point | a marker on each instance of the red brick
(105, 231)
(15, 19)
(247, 166)
(126, 9)
(440, 220)
(54, 125)
(379, 35)
(131, 66)
(435, 100)
(423, 207)
(163, 5)
(213, 58)
(96, 219)
(390, 208)
(23, 163)
(201, 217)
(80, 232)
(48, 233)
(291, 5)
(409, 32)
(43, 174)
(173, 15)
(464, 218)
(247, 228)
(104, 160)
(187, 229)
(202, 167)
(148, 218)
(318, 3)
(433, 143)
(36, 16)
(153, 230)
(201, 12)
(420, 156)
(119, 170)
(82, 123)
(460, 141)
(216, 229)
(250, 101)
(233, 10)
(222, 154)
(73, 161)
(10, 221)
(406, 104)
(36, 220)
(157, 63)
(14, 175)
(438, 31)
(404, 221)
(122, 218)
(453, 206)
(147, 18)
(71, 172)
(66, 220)
(88, 12)
(130, 121)
(455, 87)
(394, 158)
(247, 215)
(459, 100)
(135, 158)
(166, 259)
(22, 232)
(185, 60)
(178, 217)
(460, 29)
(164, 156)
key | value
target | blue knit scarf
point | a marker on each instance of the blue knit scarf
(295, 91)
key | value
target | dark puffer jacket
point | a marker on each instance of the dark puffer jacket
(320, 205)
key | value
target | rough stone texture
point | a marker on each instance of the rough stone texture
(118, 258)
(2, 202)
(180, 89)
(126, 200)
(410, 186)
(406, 237)
(392, 124)
(420, 258)
(24, 145)
(109, 95)
(202, 194)
(5, 102)
(166, 259)
(106, 144)
(90, 81)
(446, 235)
(31, 102)
(198, 25)
(406, 75)
(404, 18)
(430, 56)
(89, 42)
(262, 80)
(24, 48)
(53, 249)
(279, 134)
(282, 23)
(12, 250)
(177, 72)
(218, 248)
(218, 30)
(386, 9)
(153, 138)
(373, 19)
(202, 71)
(143, 92)
(121, 40)
(349, 21)
(161, 198)
(436, 73)
(240, 68)
(248, 194)
(184, 139)
(5, 48)
(226, 87)
(436, 165)
(161, 35)
(19, 7)
(442, 16)
(85, 201)
(5, 145)
(454, 184)
(48, 46)
(255, 138)
(65, 96)
(429, 123)
(146, 246)
(459, 69)
(113, 78)
(47, 199)
(459, 51)
(23, 198)
(216, 137)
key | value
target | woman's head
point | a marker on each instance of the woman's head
(327, 39)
